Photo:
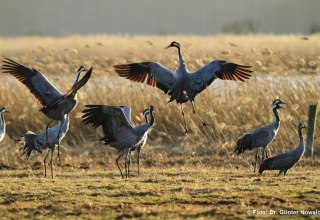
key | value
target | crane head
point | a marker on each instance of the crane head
(148, 110)
(301, 126)
(173, 44)
(277, 103)
(3, 110)
(79, 71)
(151, 108)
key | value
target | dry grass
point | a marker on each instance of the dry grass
(285, 66)
(175, 193)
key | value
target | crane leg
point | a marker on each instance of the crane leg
(117, 162)
(255, 160)
(129, 161)
(58, 157)
(127, 152)
(58, 138)
(47, 130)
(138, 162)
(184, 119)
(194, 112)
(45, 164)
(285, 172)
(280, 172)
(267, 152)
(51, 166)
(263, 153)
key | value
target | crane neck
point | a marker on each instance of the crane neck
(181, 60)
(145, 114)
(77, 78)
(64, 123)
(300, 134)
(151, 122)
(275, 113)
(301, 146)
(2, 122)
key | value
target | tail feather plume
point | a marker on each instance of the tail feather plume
(243, 143)
(29, 145)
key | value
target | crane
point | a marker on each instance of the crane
(182, 85)
(262, 136)
(284, 161)
(2, 123)
(54, 104)
(46, 139)
(120, 133)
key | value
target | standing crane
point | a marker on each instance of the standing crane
(54, 104)
(46, 139)
(283, 162)
(262, 136)
(120, 133)
(2, 123)
(182, 85)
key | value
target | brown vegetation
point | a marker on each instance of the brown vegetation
(284, 66)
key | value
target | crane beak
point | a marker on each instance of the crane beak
(167, 46)
(281, 104)
(83, 70)
(8, 111)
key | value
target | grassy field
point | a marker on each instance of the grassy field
(176, 192)
(183, 176)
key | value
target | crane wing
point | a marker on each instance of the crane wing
(45, 92)
(81, 83)
(224, 70)
(127, 113)
(112, 119)
(153, 73)
(281, 161)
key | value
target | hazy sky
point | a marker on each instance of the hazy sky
(61, 17)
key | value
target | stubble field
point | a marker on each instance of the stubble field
(189, 176)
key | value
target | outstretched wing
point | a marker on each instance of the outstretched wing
(224, 70)
(73, 91)
(111, 118)
(153, 73)
(45, 93)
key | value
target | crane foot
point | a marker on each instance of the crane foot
(59, 161)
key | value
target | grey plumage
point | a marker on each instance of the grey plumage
(54, 104)
(287, 160)
(2, 123)
(262, 136)
(119, 131)
(41, 141)
(182, 85)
